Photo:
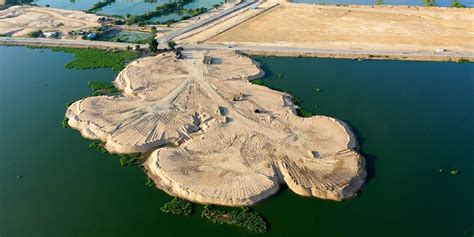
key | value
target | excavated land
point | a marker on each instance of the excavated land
(21, 20)
(380, 28)
(213, 137)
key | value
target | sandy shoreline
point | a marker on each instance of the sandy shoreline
(232, 143)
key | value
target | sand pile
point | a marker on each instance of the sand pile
(20, 20)
(218, 138)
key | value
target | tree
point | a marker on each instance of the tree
(456, 3)
(35, 34)
(171, 44)
(379, 2)
(153, 45)
(153, 30)
(429, 3)
(137, 47)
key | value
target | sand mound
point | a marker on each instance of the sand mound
(233, 143)
(20, 20)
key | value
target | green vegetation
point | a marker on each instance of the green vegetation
(35, 34)
(153, 45)
(244, 218)
(97, 145)
(379, 2)
(125, 159)
(454, 172)
(64, 124)
(319, 90)
(98, 58)
(149, 182)
(257, 82)
(171, 44)
(173, 6)
(429, 3)
(299, 111)
(178, 206)
(100, 5)
(101, 88)
(463, 60)
(153, 31)
(456, 3)
(130, 159)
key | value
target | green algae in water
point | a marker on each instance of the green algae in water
(178, 206)
(244, 218)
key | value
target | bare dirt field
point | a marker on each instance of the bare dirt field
(20, 20)
(354, 27)
(228, 142)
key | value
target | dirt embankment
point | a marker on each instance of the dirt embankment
(21, 20)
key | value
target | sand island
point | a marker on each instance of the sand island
(213, 137)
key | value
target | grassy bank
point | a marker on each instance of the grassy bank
(97, 58)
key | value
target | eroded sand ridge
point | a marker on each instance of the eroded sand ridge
(229, 142)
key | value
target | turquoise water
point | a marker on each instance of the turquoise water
(411, 118)
(126, 36)
(441, 3)
(123, 7)
(68, 4)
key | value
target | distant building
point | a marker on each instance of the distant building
(207, 60)
(51, 34)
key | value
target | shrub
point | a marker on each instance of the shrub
(35, 34)
(153, 45)
(244, 218)
(171, 44)
(178, 206)
(65, 124)
(456, 3)
(257, 82)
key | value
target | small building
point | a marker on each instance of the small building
(207, 60)
(51, 34)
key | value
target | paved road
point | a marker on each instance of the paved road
(302, 51)
(164, 40)
(286, 50)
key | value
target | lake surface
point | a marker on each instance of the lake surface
(124, 7)
(440, 3)
(412, 119)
